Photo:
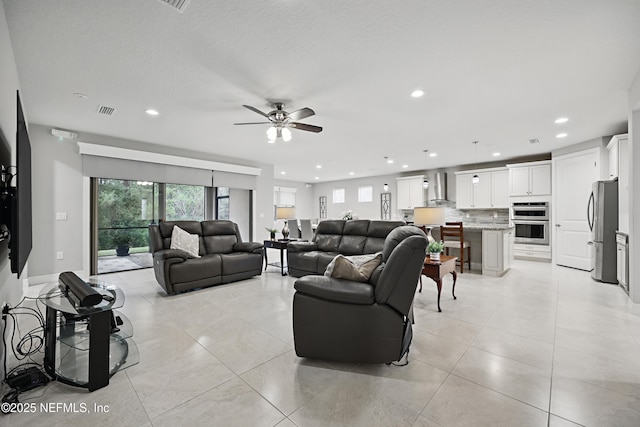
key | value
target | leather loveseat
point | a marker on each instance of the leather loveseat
(335, 237)
(223, 258)
(348, 321)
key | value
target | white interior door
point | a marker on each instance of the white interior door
(574, 176)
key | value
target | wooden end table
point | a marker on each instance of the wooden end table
(436, 270)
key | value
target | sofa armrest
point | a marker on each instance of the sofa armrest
(170, 253)
(301, 246)
(338, 290)
(252, 247)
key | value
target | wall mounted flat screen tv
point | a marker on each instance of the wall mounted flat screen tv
(21, 238)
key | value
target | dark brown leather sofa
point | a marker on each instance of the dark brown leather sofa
(335, 237)
(342, 320)
(223, 258)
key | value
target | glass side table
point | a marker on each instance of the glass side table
(85, 346)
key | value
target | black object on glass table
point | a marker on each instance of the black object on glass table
(78, 291)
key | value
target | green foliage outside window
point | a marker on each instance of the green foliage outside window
(126, 208)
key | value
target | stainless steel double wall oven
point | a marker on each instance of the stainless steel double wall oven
(531, 222)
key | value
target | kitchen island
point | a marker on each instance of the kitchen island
(491, 246)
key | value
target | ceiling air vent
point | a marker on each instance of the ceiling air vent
(534, 141)
(107, 111)
(178, 5)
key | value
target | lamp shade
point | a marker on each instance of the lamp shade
(285, 212)
(428, 216)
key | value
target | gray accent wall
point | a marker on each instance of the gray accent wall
(239, 211)
(58, 186)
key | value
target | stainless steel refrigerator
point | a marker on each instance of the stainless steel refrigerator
(602, 215)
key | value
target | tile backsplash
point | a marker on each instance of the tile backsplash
(476, 216)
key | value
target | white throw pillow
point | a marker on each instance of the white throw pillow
(356, 267)
(190, 243)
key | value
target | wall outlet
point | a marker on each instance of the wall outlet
(60, 255)
(61, 216)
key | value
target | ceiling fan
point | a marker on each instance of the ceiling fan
(281, 121)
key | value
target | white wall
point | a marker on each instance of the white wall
(368, 210)
(10, 286)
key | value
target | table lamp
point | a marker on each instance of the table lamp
(285, 212)
(427, 218)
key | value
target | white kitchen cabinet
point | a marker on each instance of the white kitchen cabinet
(497, 251)
(623, 182)
(490, 192)
(500, 189)
(614, 157)
(618, 150)
(530, 179)
(533, 252)
(410, 192)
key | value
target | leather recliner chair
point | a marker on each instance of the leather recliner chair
(342, 320)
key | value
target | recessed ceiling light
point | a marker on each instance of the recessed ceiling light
(417, 93)
(151, 112)
(389, 161)
(80, 95)
(351, 173)
(433, 154)
(317, 177)
(405, 166)
(283, 173)
(561, 135)
(562, 120)
(318, 166)
(496, 154)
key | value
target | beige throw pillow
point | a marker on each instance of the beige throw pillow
(357, 267)
(190, 243)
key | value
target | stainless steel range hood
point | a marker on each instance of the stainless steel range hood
(440, 186)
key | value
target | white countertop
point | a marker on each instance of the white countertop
(478, 226)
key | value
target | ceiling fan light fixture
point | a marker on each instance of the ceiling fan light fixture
(286, 134)
(272, 134)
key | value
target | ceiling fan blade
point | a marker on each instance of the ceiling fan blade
(301, 114)
(253, 123)
(304, 126)
(255, 110)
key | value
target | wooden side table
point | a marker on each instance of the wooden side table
(436, 270)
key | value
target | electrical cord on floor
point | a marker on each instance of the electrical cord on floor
(28, 344)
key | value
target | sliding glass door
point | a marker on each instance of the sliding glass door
(122, 210)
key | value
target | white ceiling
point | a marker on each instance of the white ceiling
(496, 71)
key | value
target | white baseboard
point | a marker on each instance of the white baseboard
(48, 278)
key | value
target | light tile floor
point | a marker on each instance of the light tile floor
(541, 346)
